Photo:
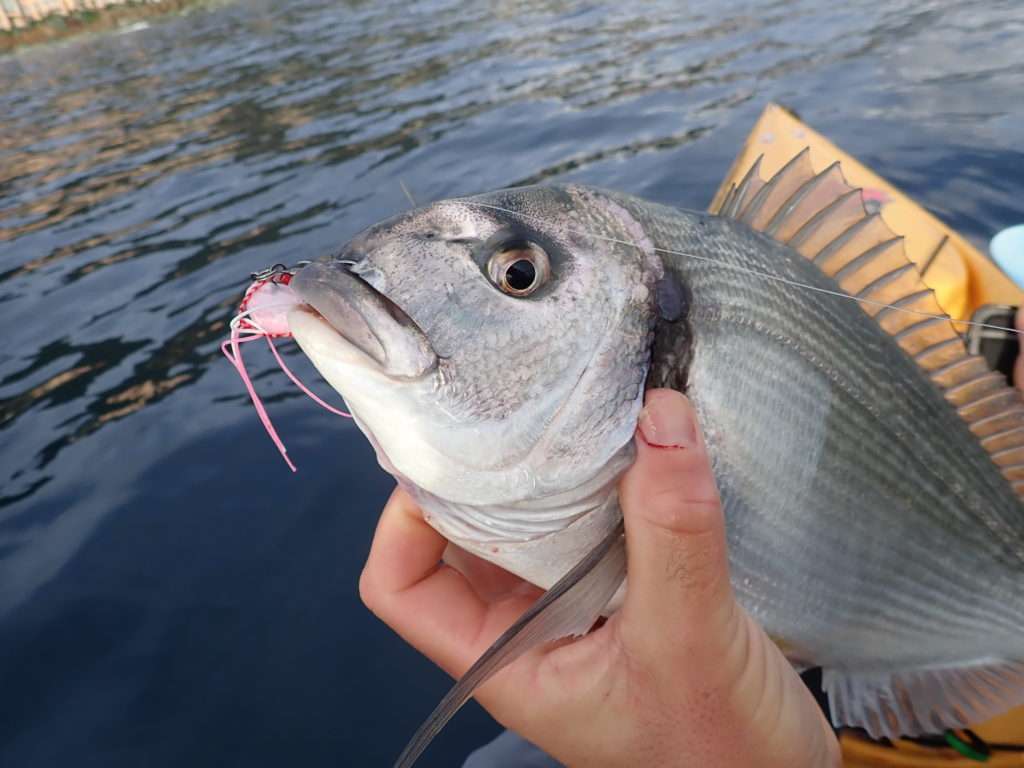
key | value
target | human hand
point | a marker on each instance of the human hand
(680, 676)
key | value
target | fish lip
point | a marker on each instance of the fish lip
(365, 318)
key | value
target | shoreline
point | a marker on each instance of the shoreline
(57, 27)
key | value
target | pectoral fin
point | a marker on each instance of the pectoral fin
(569, 608)
(919, 701)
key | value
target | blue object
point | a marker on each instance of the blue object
(1007, 249)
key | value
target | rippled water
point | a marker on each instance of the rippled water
(169, 593)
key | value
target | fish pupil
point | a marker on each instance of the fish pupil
(520, 275)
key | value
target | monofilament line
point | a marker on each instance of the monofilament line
(756, 272)
(408, 194)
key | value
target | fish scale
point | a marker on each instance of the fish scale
(923, 433)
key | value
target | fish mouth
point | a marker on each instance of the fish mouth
(367, 327)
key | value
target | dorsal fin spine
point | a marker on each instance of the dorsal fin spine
(932, 349)
(994, 438)
(988, 376)
(983, 405)
(816, 220)
(997, 455)
(856, 263)
(991, 398)
(899, 304)
(727, 200)
(927, 322)
(753, 208)
(983, 427)
(868, 261)
(882, 281)
(795, 199)
(962, 362)
(848, 234)
(741, 190)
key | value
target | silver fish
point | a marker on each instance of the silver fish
(495, 350)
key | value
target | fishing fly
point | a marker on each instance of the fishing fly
(263, 314)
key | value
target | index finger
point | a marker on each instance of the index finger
(431, 605)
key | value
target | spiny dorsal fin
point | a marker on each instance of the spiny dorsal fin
(763, 206)
(823, 218)
(741, 195)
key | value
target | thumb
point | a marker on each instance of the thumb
(678, 579)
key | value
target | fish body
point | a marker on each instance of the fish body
(871, 531)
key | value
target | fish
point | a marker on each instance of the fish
(495, 351)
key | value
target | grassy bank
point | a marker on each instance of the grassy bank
(56, 27)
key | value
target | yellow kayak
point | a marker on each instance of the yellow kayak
(963, 279)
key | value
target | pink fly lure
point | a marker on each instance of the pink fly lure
(263, 314)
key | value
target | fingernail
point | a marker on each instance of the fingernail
(667, 421)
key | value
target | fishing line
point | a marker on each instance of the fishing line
(245, 328)
(756, 272)
(408, 194)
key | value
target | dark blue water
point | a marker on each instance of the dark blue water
(169, 593)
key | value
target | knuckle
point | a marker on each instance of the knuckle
(369, 592)
(670, 507)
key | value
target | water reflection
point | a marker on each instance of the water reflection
(146, 524)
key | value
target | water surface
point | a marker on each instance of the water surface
(169, 593)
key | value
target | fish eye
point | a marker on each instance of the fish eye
(519, 268)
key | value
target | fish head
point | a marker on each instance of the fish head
(493, 349)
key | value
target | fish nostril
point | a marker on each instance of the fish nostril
(354, 262)
(347, 257)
